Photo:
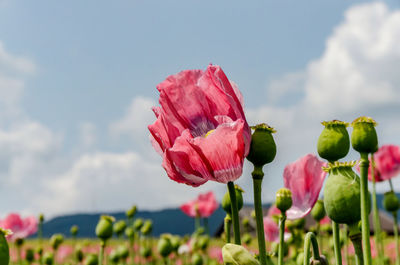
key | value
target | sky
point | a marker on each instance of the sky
(77, 83)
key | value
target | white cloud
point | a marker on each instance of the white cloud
(87, 132)
(11, 63)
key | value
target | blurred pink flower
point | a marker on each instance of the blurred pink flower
(201, 131)
(325, 221)
(215, 252)
(271, 230)
(273, 211)
(203, 206)
(387, 163)
(63, 252)
(21, 227)
(304, 178)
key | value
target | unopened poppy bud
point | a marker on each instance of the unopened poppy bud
(131, 212)
(235, 254)
(145, 252)
(283, 199)
(29, 255)
(147, 227)
(364, 138)
(39, 250)
(91, 259)
(79, 255)
(318, 211)
(104, 228)
(123, 252)
(48, 258)
(262, 146)
(56, 240)
(226, 200)
(119, 227)
(130, 232)
(41, 218)
(203, 242)
(246, 222)
(342, 194)
(334, 141)
(197, 259)
(4, 250)
(74, 230)
(391, 202)
(175, 242)
(19, 242)
(137, 225)
(164, 247)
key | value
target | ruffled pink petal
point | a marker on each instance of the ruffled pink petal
(187, 162)
(387, 161)
(21, 228)
(189, 208)
(271, 230)
(223, 151)
(304, 178)
(207, 204)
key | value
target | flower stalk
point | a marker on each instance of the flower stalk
(365, 208)
(235, 212)
(257, 180)
(310, 241)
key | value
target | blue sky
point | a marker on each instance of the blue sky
(77, 80)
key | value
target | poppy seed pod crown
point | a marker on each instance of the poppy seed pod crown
(334, 141)
(283, 199)
(262, 146)
(364, 138)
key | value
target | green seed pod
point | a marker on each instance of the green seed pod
(334, 141)
(130, 233)
(226, 200)
(147, 227)
(91, 259)
(131, 212)
(342, 194)
(197, 259)
(114, 257)
(391, 202)
(48, 258)
(283, 199)
(79, 254)
(74, 230)
(123, 252)
(364, 138)
(19, 242)
(295, 224)
(237, 255)
(145, 252)
(119, 227)
(247, 238)
(246, 222)
(262, 147)
(29, 255)
(56, 240)
(175, 242)
(104, 228)
(164, 247)
(203, 242)
(4, 250)
(137, 225)
(318, 211)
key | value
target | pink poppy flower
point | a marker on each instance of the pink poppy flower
(325, 221)
(21, 227)
(273, 211)
(203, 206)
(387, 163)
(304, 178)
(201, 131)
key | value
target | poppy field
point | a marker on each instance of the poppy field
(201, 134)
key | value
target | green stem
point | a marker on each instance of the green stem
(206, 227)
(356, 239)
(101, 253)
(365, 208)
(282, 220)
(227, 228)
(346, 242)
(396, 237)
(257, 180)
(196, 223)
(377, 223)
(310, 240)
(336, 243)
(235, 212)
